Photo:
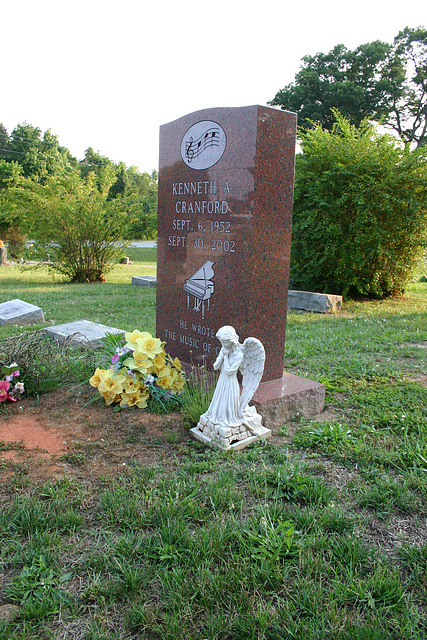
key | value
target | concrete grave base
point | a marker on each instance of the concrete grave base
(316, 302)
(279, 400)
(144, 281)
(240, 444)
(19, 312)
(84, 332)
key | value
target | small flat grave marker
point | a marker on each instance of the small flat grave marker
(144, 281)
(315, 302)
(84, 331)
(19, 312)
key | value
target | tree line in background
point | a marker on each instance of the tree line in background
(77, 212)
(360, 212)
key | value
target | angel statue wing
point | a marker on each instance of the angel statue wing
(252, 368)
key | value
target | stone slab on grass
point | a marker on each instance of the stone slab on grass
(316, 302)
(278, 401)
(84, 332)
(144, 281)
(19, 312)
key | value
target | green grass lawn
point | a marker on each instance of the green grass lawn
(322, 535)
(116, 302)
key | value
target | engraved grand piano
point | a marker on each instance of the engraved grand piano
(200, 286)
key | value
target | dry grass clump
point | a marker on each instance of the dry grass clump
(47, 364)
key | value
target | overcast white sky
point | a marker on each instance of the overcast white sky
(107, 74)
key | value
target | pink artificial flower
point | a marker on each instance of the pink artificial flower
(4, 388)
(115, 358)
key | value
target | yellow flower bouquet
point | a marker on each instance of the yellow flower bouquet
(140, 373)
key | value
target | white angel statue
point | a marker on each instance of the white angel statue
(229, 418)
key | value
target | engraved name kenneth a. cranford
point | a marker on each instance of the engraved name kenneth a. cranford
(203, 144)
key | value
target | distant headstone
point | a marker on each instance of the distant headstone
(316, 302)
(224, 230)
(19, 312)
(144, 281)
(84, 332)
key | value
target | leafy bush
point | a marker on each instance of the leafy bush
(360, 213)
(76, 228)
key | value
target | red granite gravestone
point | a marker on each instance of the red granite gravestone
(224, 230)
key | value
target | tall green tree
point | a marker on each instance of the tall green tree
(10, 215)
(4, 141)
(408, 115)
(380, 81)
(360, 212)
(141, 196)
(101, 166)
(39, 155)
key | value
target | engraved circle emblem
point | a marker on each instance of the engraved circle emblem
(203, 145)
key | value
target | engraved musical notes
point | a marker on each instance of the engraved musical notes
(193, 148)
(203, 144)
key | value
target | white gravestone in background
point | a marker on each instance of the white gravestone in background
(19, 312)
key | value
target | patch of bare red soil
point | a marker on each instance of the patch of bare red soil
(61, 434)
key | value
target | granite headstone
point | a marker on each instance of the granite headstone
(224, 230)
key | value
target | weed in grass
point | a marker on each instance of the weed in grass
(415, 563)
(181, 498)
(133, 577)
(336, 520)
(8, 446)
(38, 590)
(121, 507)
(350, 555)
(139, 617)
(414, 454)
(316, 492)
(213, 542)
(386, 494)
(197, 463)
(62, 491)
(284, 483)
(97, 628)
(330, 435)
(382, 590)
(221, 493)
(170, 549)
(27, 515)
(76, 459)
(172, 436)
(267, 540)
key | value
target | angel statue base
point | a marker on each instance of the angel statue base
(230, 423)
